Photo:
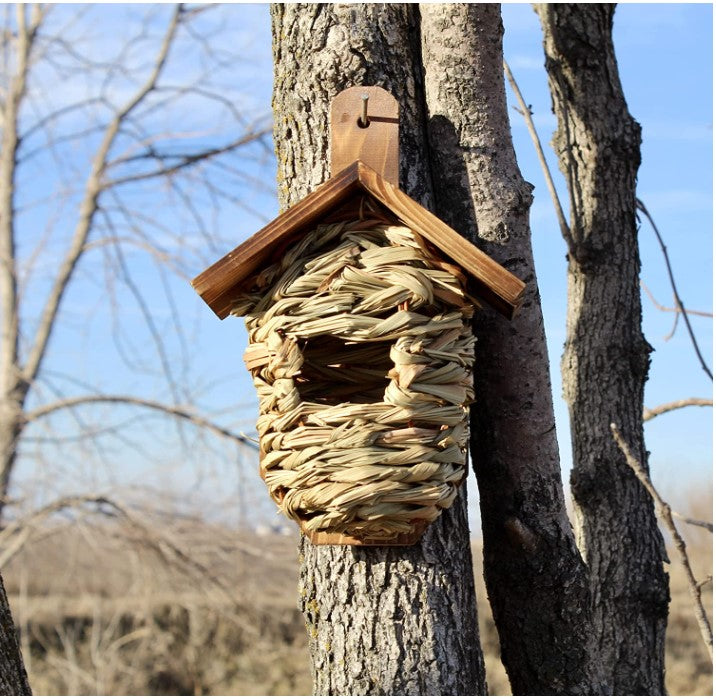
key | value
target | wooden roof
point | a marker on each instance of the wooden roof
(219, 284)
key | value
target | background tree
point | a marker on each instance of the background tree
(128, 172)
(535, 577)
(606, 358)
(98, 184)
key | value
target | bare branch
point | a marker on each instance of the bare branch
(666, 309)
(640, 206)
(85, 433)
(665, 513)
(214, 96)
(59, 113)
(166, 259)
(672, 332)
(16, 534)
(650, 413)
(174, 410)
(694, 522)
(188, 160)
(526, 112)
(675, 311)
(161, 59)
(89, 207)
(81, 137)
(54, 141)
(708, 579)
(148, 318)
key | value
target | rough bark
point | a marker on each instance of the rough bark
(536, 580)
(606, 358)
(13, 678)
(380, 620)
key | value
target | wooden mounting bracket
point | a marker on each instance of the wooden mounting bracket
(375, 144)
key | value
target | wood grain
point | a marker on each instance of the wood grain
(376, 144)
(221, 283)
(335, 539)
(496, 285)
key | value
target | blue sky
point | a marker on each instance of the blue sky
(665, 60)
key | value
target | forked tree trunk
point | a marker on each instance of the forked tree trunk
(380, 620)
(606, 357)
(536, 580)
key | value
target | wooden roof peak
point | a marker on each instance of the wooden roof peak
(219, 284)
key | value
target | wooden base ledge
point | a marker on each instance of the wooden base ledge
(323, 538)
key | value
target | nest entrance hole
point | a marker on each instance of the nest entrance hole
(338, 371)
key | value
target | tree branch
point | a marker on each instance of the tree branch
(88, 209)
(703, 314)
(650, 413)
(173, 410)
(640, 207)
(694, 522)
(134, 289)
(187, 160)
(526, 112)
(665, 513)
(16, 534)
(59, 113)
(566, 231)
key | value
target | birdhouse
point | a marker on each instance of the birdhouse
(359, 305)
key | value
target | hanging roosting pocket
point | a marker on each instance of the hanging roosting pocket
(361, 351)
(358, 303)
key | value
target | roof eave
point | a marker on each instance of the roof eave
(217, 285)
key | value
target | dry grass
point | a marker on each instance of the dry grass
(689, 670)
(100, 612)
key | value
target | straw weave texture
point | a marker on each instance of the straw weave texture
(361, 352)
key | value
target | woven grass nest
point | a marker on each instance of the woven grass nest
(361, 351)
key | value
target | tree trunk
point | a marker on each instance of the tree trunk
(606, 357)
(380, 620)
(536, 580)
(13, 386)
(13, 678)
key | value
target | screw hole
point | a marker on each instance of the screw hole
(361, 125)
